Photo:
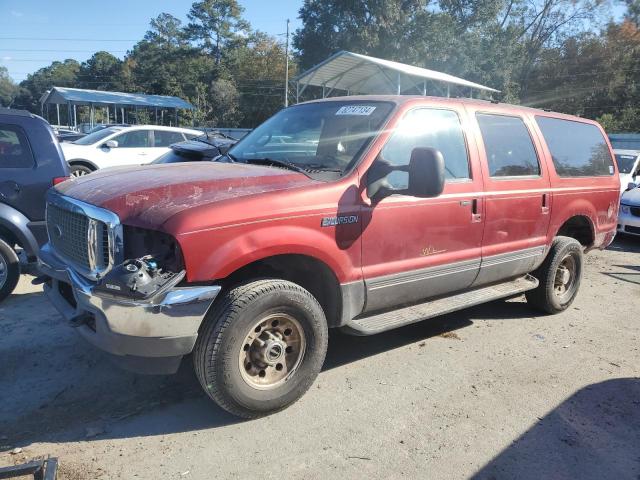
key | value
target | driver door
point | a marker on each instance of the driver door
(134, 148)
(417, 248)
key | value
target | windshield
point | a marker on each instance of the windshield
(315, 136)
(96, 136)
(625, 162)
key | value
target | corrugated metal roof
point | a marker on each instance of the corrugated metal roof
(78, 96)
(370, 75)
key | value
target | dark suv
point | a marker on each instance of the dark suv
(30, 162)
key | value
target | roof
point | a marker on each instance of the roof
(78, 96)
(363, 74)
(14, 111)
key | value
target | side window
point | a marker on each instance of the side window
(428, 127)
(578, 149)
(15, 151)
(510, 151)
(163, 138)
(135, 139)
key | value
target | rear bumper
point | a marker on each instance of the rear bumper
(149, 336)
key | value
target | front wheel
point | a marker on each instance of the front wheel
(261, 347)
(79, 171)
(9, 270)
(559, 276)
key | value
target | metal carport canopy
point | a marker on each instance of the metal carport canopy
(356, 73)
(78, 96)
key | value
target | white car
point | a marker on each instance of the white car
(629, 166)
(629, 216)
(118, 146)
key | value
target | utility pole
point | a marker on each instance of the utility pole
(286, 70)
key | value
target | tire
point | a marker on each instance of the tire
(292, 324)
(79, 171)
(559, 276)
(9, 270)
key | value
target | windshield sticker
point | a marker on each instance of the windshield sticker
(356, 110)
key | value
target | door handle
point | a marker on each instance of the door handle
(545, 203)
(475, 212)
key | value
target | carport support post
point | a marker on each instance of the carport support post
(69, 114)
(424, 88)
(448, 90)
(58, 112)
(75, 116)
(399, 84)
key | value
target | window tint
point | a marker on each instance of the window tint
(578, 149)
(426, 127)
(14, 148)
(162, 138)
(510, 151)
(135, 139)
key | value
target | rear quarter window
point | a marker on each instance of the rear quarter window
(577, 149)
(15, 151)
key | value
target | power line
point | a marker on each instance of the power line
(72, 39)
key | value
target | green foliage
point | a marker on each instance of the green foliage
(8, 89)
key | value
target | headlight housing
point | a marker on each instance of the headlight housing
(625, 209)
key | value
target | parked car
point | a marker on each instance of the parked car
(118, 146)
(67, 135)
(207, 147)
(30, 162)
(629, 167)
(629, 218)
(102, 126)
(375, 213)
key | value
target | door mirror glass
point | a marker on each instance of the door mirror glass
(426, 173)
(631, 185)
(110, 144)
(424, 176)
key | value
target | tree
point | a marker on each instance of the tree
(8, 89)
(216, 25)
(102, 71)
(58, 74)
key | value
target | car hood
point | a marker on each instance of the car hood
(632, 197)
(147, 196)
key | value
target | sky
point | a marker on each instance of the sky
(34, 33)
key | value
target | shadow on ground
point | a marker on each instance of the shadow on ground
(61, 390)
(594, 434)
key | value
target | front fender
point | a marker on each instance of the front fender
(227, 252)
(16, 223)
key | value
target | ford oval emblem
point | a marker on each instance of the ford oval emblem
(57, 231)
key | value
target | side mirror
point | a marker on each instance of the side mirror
(110, 144)
(426, 173)
(631, 185)
(425, 176)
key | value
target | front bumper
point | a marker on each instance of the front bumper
(628, 223)
(149, 336)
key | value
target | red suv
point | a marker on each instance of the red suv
(363, 213)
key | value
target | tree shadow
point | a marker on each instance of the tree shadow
(594, 434)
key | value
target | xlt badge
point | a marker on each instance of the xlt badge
(342, 220)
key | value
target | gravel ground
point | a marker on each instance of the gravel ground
(492, 392)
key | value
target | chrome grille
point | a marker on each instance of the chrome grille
(78, 238)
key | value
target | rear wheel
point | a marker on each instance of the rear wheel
(262, 346)
(559, 276)
(79, 171)
(9, 270)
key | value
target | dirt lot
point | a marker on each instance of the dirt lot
(492, 392)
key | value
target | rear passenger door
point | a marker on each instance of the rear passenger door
(162, 139)
(17, 167)
(517, 196)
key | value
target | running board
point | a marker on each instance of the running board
(382, 322)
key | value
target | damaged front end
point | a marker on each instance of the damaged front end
(133, 304)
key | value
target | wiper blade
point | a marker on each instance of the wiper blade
(279, 163)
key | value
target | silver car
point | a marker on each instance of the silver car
(629, 217)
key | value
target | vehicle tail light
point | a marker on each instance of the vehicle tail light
(58, 180)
